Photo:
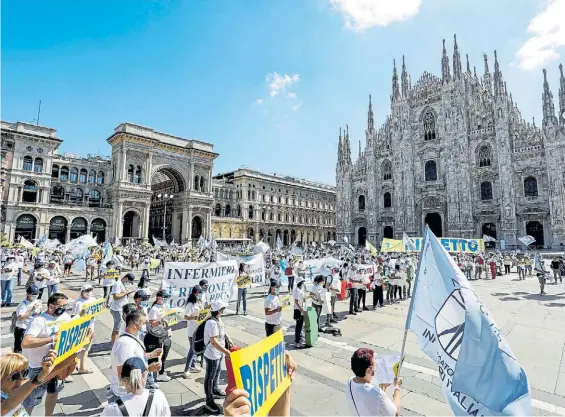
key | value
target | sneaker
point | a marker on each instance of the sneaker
(194, 370)
(332, 320)
(164, 377)
(365, 308)
(213, 408)
(186, 374)
(219, 393)
(69, 379)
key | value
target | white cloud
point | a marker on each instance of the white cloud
(547, 36)
(296, 106)
(364, 14)
(291, 95)
(259, 101)
(280, 83)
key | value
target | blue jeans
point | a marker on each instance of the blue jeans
(52, 289)
(191, 357)
(7, 287)
(19, 276)
(241, 295)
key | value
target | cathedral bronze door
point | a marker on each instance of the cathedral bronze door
(433, 220)
(361, 236)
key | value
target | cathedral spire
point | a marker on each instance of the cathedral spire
(348, 148)
(404, 79)
(561, 95)
(487, 80)
(395, 89)
(370, 118)
(456, 60)
(359, 155)
(498, 82)
(340, 149)
(548, 105)
(445, 73)
(468, 65)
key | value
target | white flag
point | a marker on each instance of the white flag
(527, 240)
(488, 238)
(409, 245)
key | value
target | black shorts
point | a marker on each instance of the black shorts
(67, 267)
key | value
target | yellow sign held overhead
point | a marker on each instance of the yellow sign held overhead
(260, 369)
(95, 307)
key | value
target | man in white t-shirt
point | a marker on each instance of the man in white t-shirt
(363, 397)
(273, 309)
(21, 262)
(26, 311)
(40, 336)
(119, 295)
(128, 346)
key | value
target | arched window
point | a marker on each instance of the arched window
(264, 214)
(76, 195)
(218, 210)
(387, 170)
(202, 189)
(429, 126)
(387, 200)
(74, 175)
(64, 173)
(92, 177)
(55, 171)
(137, 175)
(271, 216)
(57, 194)
(29, 194)
(94, 200)
(484, 156)
(531, 187)
(227, 210)
(28, 163)
(250, 212)
(130, 173)
(279, 217)
(286, 218)
(294, 218)
(238, 210)
(431, 171)
(196, 182)
(83, 175)
(361, 200)
(486, 190)
(230, 195)
(38, 165)
(100, 178)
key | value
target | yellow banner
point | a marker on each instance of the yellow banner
(72, 337)
(451, 244)
(95, 307)
(243, 281)
(154, 263)
(171, 317)
(370, 247)
(203, 315)
(285, 302)
(260, 369)
(392, 245)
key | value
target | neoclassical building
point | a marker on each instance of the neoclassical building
(253, 205)
(154, 184)
(455, 153)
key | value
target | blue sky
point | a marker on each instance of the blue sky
(269, 83)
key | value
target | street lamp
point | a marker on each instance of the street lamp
(165, 198)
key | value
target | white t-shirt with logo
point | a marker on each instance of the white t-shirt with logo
(41, 277)
(213, 329)
(23, 308)
(6, 276)
(19, 411)
(135, 404)
(368, 400)
(53, 277)
(125, 347)
(191, 310)
(118, 288)
(44, 325)
(20, 261)
(77, 308)
(272, 302)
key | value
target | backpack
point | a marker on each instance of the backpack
(198, 337)
(13, 319)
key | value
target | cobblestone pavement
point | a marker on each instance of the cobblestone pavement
(532, 324)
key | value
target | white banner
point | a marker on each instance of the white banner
(322, 266)
(255, 268)
(180, 277)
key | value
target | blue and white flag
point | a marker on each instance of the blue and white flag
(107, 254)
(527, 240)
(538, 264)
(409, 245)
(489, 239)
(279, 242)
(41, 241)
(479, 373)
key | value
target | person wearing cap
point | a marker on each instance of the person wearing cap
(137, 401)
(119, 294)
(86, 297)
(273, 309)
(204, 285)
(215, 339)
(40, 276)
(157, 328)
(9, 274)
(26, 311)
(191, 313)
(53, 281)
(111, 276)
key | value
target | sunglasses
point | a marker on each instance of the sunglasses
(18, 376)
(89, 290)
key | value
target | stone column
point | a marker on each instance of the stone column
(189, 225)
(145, 228)
(123, 175)
(149, 168)
(118, 220)
(185, 226)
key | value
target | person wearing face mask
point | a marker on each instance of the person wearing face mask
(40, 336)
(299, 310)
(159, 335)
(26, 311)
(85, 298)
(39, 277)
(193, 307)
(111, 276)
(53, 281)
(273, 309)
(119, 295)
(204, 285)
(363, 397)
(128, 345)
(9, 274)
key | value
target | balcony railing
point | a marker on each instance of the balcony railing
(89, 204)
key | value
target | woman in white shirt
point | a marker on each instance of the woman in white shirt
(363, 397)
(299, 309)
(316, 293)
(53, 281)
(137, 401)
(85, 298)
(191, 313)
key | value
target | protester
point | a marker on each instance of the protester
(159, 334)
(26, 311)
(556, 268)
(21, 263)
(119, 295)
(8, 277)
(364, 398)
(191, 313)
(111, 276)
(78, 310)
(316, 294)
(216, 342)
(289, 274)
(273, 309)
(299, 310)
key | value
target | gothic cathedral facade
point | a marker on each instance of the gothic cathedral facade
(456, 154)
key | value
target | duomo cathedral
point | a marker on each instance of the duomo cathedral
(455, 153)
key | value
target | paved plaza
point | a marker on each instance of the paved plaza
(531, 323)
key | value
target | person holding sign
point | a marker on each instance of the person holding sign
(111, 276)
(40, 337)
(157, 331)
(216, 342)
(119, 299)
(273, 309)
(243, 281)
(364, 398)
(191, 313)
(85, 298)
(26, 311)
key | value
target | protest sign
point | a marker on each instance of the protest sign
(285, 302)
(386, 368)
(459, 245)
(172, 317)
(180, 277)
(255, 268)
(72, 337)
(243, 281)
(260, 369)
(154, 263)
(95, 307)
(203, 315)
